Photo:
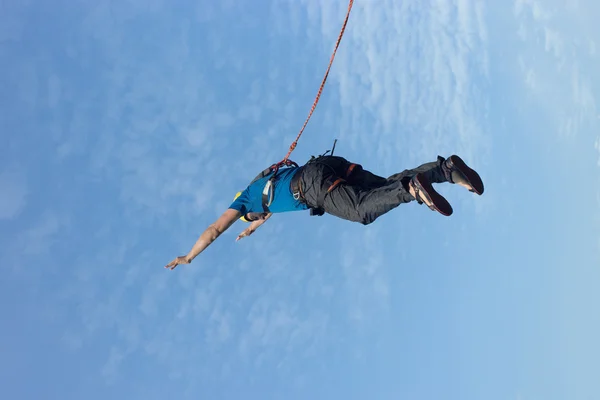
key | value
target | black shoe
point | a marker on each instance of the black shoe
(425, 193)
(456, 171)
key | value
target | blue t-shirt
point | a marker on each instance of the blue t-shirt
(283, 200)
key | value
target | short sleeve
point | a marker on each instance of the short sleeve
(240, 204)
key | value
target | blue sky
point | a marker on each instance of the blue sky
(127, 127)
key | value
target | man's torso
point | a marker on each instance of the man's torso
(283, 200)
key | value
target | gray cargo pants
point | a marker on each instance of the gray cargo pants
(363, 196)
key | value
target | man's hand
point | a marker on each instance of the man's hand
(246, 232)
(257, 220)
(179, 260)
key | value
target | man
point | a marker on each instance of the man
(333, 185)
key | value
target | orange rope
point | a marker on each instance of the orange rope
(293, 146)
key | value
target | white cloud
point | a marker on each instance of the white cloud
(534, 8)
(72, 340)
(43, 235)
(366, 282)
(406, 69)
(111, 367)
(554, 42)
(554, 68)
(530, 77)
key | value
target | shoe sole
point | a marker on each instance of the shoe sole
(439, 203)
(472, 177)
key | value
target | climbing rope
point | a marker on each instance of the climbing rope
(312, 109)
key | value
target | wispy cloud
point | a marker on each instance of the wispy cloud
(40, 238)
(111, 368)
(406, 77)
(366, 280)
(552, 62)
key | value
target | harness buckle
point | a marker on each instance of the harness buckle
(267, 194)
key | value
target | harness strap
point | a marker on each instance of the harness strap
(267, 195)
(268, 192)
(335, 183)
(295, 186)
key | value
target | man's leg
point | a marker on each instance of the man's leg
(358, 201)
(433, 172)
(365, 205)
(366, 196)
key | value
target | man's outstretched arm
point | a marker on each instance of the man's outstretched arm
(254, 226)
(208, 236)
